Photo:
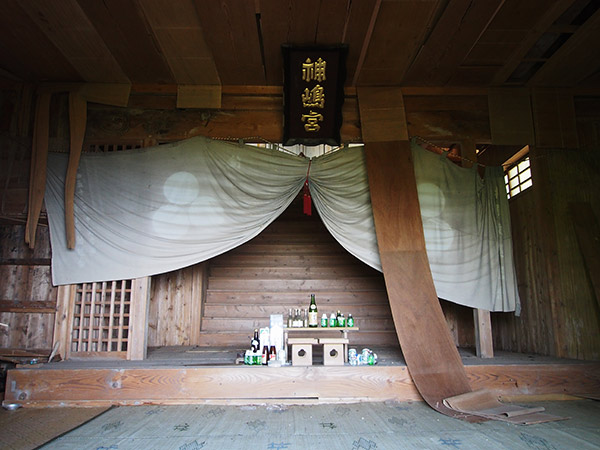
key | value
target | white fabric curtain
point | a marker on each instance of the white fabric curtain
(149, 211)
(466, 222)
(340, 190)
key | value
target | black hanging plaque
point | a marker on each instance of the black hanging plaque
(313, 94)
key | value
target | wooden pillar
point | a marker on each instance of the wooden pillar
(484, 344)
(431, 356)
(63, 320)
(77, 122)
(138, 319)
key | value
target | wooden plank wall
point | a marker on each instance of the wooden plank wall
(27, 297)
(571, 326)
(278, 270)
(176, 306)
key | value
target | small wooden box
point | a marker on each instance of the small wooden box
(334, 351)
(302, 351)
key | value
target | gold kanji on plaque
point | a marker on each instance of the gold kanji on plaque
(312, 121)
(314, 70)
(314, 98)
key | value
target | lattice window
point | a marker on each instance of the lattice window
(102, 147)
(101, 317)
(518, 177)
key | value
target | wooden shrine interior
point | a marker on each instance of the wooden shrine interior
(485, 78)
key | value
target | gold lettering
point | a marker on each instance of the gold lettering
(312, 120)
(315, 98)
(314, 70)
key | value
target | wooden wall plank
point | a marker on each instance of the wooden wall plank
(588, 237)
(554, 119)
(277, 273)
(511, 117)
(382, 114)
(174, 305)
(195, 96)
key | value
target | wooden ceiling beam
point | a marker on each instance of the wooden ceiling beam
(65, 24)
(26, 51)
(121, 21)
(178, 33)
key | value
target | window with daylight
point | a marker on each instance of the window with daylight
(517, 177)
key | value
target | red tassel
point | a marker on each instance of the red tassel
(307, 200)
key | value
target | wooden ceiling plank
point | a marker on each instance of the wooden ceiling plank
(69, 29)
(571, 63)
(26, 52)
(537, 25)
(333, 16)
(453, 37)
(293, 23)
(231, 33)
(400, 29)
(119, 21)
(274, 25)
(179, 35)
(356, 31)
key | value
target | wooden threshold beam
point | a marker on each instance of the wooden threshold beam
(48, 386)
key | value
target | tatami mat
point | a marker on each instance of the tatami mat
(358, 426)
(28, 428)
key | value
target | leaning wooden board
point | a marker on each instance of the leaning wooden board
(431, 356)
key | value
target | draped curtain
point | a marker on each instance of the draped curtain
(148, 211)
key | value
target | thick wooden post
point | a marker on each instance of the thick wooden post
(138, 319)
(484, 343)
(63, 320)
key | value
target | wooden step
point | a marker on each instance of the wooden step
(294, 299)
(242, 339)
(284, 260)
(265, 310)
(283, 249)
(245, 324)
(315, 285)
(294, 238)
(294, 272)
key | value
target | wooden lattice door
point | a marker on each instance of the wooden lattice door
(104, 319)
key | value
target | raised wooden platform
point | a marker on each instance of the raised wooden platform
(201, 376)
